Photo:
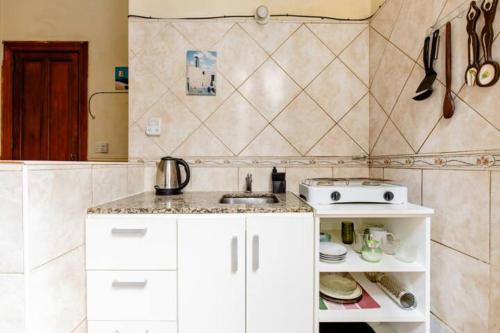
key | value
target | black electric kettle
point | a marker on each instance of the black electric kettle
(168, 176)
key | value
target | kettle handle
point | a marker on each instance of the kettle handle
(188, 173)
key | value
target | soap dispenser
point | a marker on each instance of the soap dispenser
(279, 181)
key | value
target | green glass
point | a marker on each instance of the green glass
(347, 232)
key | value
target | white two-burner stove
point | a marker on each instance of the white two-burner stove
(326, 191)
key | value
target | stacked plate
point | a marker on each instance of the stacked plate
(332, 252)
(338, 288)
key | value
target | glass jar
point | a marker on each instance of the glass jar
(372, 249)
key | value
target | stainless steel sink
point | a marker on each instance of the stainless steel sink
(249, 199)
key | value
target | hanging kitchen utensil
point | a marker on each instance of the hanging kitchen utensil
(489, 72)
(473, 44)
(424, 90)
(449, 103)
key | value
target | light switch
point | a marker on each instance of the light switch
(154, 126)
(102, 147)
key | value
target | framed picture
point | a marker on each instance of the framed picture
(121, 78)
(201, 77)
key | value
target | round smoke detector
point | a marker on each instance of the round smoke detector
(262, 15)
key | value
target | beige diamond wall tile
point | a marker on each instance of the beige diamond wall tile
(391, 142)
(464, 211)
(336, 36)
(464, 132)
(336, 143)
(459, 290)
(416, 119)
(356, 56)
(145, 89)
(494, 299)
(384, 21)
(410, 178)
(271, 35)
(332, 92)
(269, 143)
(238, 55)
(414, 20)
(377, 48)
(378, 118)
(485, 100)
(356, 123)
(165, 55)
(296, 175)
(437, 326)
(204, 106)
(142, 33)
(351, 172)
(391, 76)
(177, 122)
(236, 123)
(214, 179)
(377, 173)
(269, 89)
(203, 34)
(495, 219)
(296, 53)
(202, 143)
(303, 123)
(142, 147)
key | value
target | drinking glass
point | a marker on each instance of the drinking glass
(372, 249)
(407, 252)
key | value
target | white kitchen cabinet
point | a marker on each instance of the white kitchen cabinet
(211, 274)
(131, 327)
(280, 274)
(254, 275)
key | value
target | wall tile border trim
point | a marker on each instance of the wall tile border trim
(489, 160)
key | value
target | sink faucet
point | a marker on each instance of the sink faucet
(248, 182)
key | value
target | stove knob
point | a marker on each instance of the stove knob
(336, 196)
(388, 196)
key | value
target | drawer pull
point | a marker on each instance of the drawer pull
(256, 253)
(129, 284)
(129, 232)
(234, 254)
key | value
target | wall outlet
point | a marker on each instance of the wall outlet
(102, 147)
(154, 127)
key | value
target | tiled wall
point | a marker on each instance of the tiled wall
(50, 266)
(449, 165)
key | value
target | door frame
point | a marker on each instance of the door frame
(10, 48)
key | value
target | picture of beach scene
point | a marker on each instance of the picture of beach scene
(201, 73)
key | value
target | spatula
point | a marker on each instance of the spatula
(424, 90)
(489, 72)
(473, 44)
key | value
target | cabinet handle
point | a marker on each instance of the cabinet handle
(255, 254)
(234, 254)
(129, 284)
(129, 232)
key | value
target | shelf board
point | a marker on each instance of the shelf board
(371, 210)
(388, 311)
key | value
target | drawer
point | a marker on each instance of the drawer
(131, 327)
(125, 295)
(131, 243)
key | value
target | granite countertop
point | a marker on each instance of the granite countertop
(198, 203)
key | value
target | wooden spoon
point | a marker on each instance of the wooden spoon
(449, 104)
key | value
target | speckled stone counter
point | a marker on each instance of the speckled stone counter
(198, 203)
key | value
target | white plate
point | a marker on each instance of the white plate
(332, 249)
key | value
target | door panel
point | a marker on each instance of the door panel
(211, 270)
(44, 101)
(280, 274)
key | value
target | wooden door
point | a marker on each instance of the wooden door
(211, 275)
(280, 274)
(44, 101)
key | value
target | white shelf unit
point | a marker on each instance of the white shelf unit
(409, 222)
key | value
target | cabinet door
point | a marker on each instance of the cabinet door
(280, 274)
(211, 275)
